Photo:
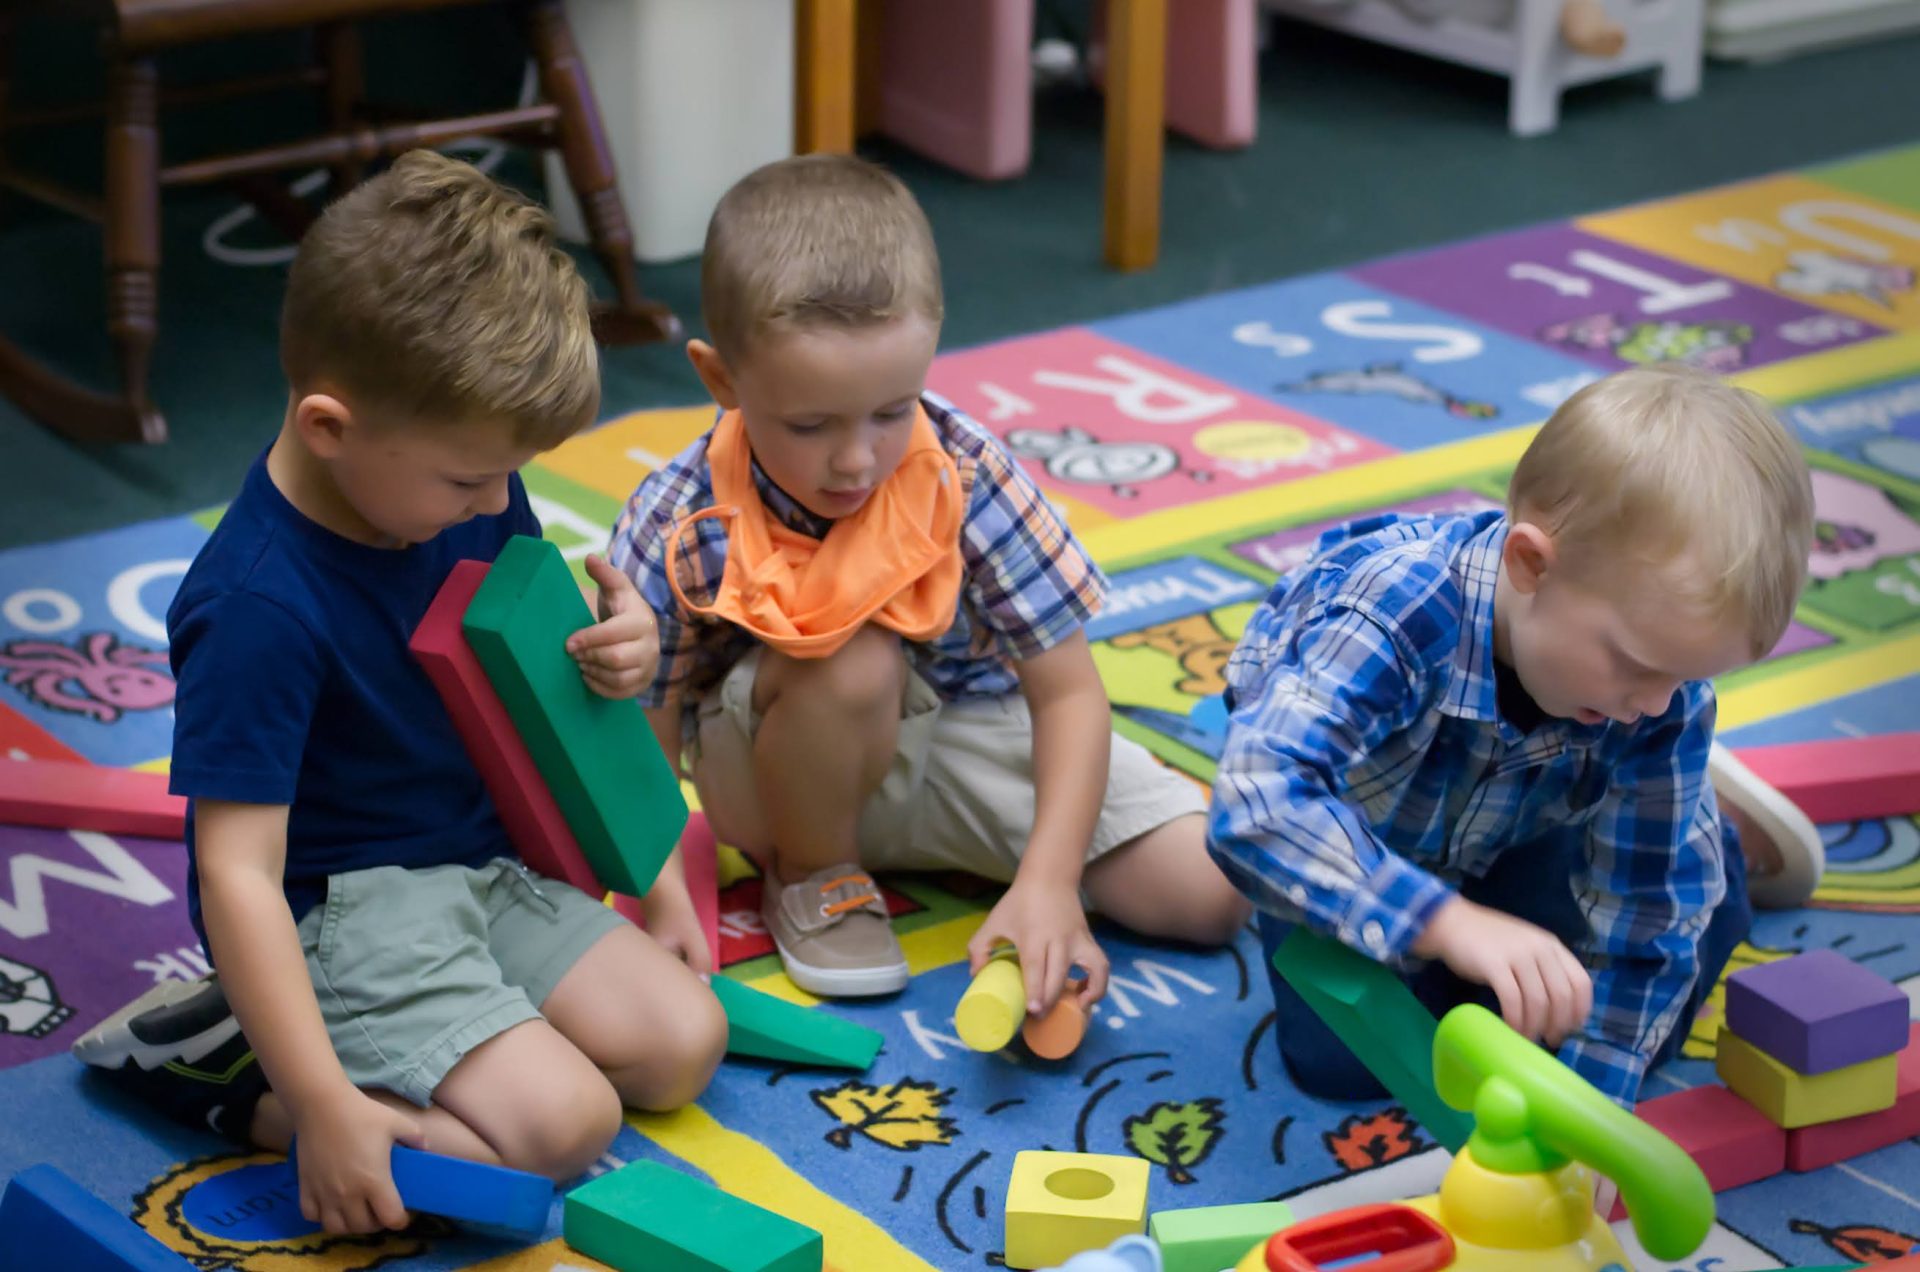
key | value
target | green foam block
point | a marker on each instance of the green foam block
(1378, 1018)
(646, 1217)
(1210, 1238)
(774, 1029)
(598, 755)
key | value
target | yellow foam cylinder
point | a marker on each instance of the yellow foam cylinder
(990, 1012)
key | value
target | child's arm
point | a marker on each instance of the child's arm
(345, 1137)
(1041, 913)
(1337, 687)
(668, 907)
(1655, 870)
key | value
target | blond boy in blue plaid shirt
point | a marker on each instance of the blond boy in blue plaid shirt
(1476, 746)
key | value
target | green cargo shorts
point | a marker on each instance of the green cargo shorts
(415, 968)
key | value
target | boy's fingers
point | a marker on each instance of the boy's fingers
(388, 1210)
(1096, 967)
(1058, 966)
(977, 950)
(602, 572)
(1583, 990)
(591, 638)
(1538, 994)
(1033, 972)
(1508, 996)
(358, 1216)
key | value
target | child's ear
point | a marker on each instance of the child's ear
(713, 372)
(1528, 556)
(321, 420)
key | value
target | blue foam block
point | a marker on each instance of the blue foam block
(492, 1200)
(61, 1225)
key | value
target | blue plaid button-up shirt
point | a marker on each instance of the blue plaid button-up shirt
(1028, 583)
(1366, 764)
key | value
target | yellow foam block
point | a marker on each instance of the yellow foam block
(1059, 1204)
(1794, 1099)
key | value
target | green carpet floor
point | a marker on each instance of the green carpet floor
(1363, 151)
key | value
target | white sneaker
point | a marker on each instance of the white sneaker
(1786, 833)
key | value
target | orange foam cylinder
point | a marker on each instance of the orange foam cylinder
(1055, 1035)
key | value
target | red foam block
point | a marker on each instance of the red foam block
(1811, 1147)
(533, 820)
(69, 796)
(22, 739)
(1844, 779)
(1731, 1142)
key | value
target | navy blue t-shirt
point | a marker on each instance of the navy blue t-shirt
(296, 687)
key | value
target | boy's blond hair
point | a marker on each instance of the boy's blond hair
(1669, 469)
(819, 239)
(434, 294)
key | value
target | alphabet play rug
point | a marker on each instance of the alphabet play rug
(1197, 448)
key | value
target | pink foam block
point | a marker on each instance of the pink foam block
(1732, 1142)
(699, 861)
(1811, 1147)
(533, 820)
(956, 83)
(69, 796)
(1213, 69)
(1844, 779)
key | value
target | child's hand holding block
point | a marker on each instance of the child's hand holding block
(994, 1008)
(492, 1200)
(598, 756)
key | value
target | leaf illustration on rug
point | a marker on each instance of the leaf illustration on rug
(903, 1116)
(1861, 1242)
(1361, 1142)
(1176, 1136)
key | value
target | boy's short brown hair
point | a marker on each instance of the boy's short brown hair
(1670, 470)
(434, 293)
(818, 239)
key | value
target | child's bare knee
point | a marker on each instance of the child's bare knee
(1222, 919)
(573, 1127)
(866, 673)
(682, 1057)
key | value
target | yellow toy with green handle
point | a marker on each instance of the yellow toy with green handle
(1519, 1195)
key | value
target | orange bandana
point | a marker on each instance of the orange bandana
(895, 562)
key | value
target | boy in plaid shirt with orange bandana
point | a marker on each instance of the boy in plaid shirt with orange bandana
(872, 624)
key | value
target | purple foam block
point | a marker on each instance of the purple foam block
(1817, 1012)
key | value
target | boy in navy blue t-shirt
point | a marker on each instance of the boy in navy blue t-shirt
(399, 974)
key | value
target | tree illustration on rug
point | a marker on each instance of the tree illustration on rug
(1176, 1136)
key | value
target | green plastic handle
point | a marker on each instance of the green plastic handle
(1533, 1114)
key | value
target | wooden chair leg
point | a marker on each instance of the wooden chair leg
(1136, 131)
(341, 58)
(589, 162)
(7, 20)
(133, 228)
(826, 58)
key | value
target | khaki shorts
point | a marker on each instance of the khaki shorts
(415, 968)
(960, 793)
